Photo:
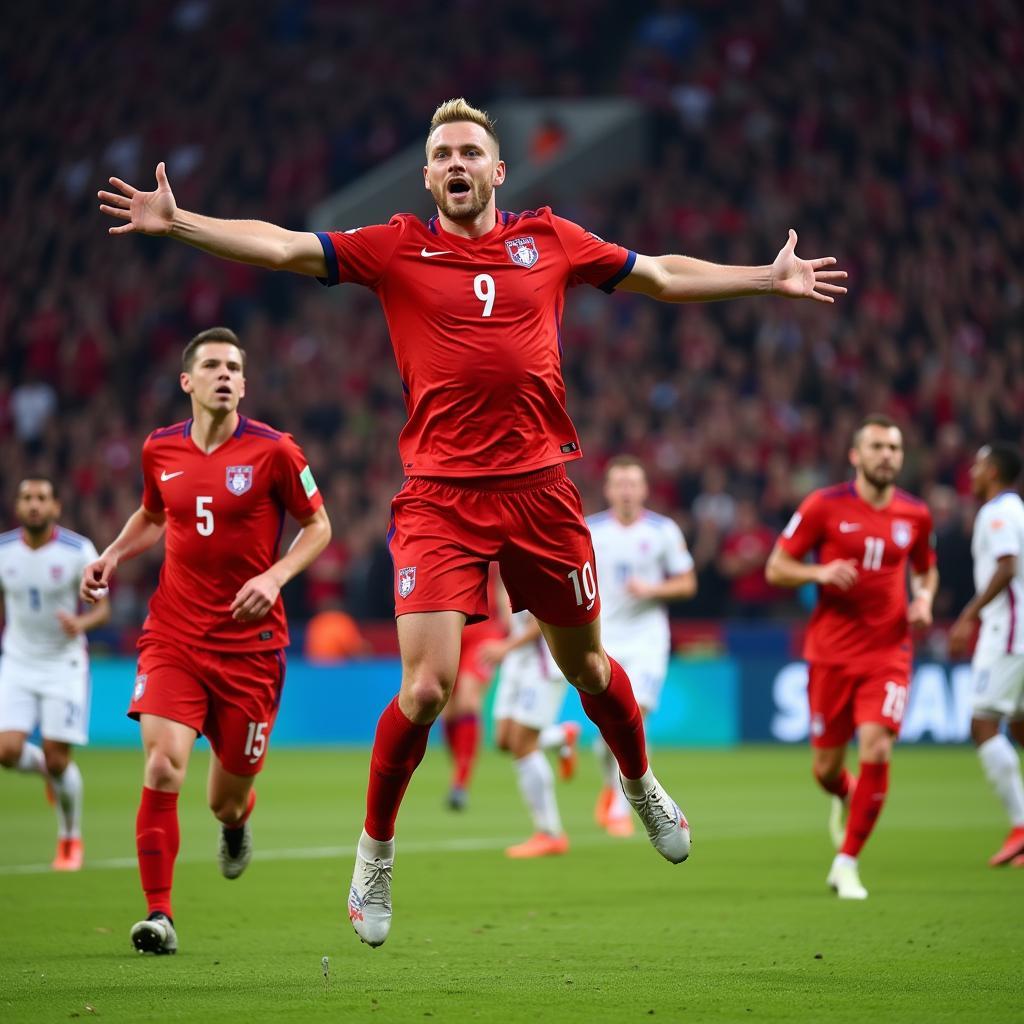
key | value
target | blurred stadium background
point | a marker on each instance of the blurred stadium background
(888, 135)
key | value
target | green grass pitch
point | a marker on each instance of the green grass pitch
(745, 931)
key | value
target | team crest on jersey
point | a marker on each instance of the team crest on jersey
(902, 533)
(239, 479)
(522, 250)
(406, 580)
(57, 573)
(140, 686)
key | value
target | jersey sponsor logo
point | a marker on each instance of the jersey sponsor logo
(406, 580)
(427, 253)
(165, 476)
(845, 527)
(522, 251)
(239, 479)
(140, 686)
(902, 533)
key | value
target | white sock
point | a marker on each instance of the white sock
(843, 860)
(637, 787)
(1002, 767)
(553, 736)
(370, 848)
(537, 784)
(31, 760)
(67, 788)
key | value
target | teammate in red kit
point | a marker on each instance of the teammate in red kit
(211, 655)
(858, 642)
(473, 299)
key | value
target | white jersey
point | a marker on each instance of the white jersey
(37, 584)
(650, 549)
(999, 531)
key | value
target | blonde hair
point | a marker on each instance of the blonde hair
(455, 110)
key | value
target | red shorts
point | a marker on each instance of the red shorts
(842, 698)
(232, 699)
(445, 532)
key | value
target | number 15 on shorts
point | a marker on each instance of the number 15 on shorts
(255, 741)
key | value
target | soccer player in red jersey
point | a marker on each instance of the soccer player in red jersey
(473, 299)
(211, 655)
(858, 642)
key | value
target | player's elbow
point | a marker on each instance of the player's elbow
(774, 573)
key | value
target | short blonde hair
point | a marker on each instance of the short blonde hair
(455, 110)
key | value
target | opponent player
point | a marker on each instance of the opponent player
(473, 300)
(858, 641)
(642, 562)
(998, 665)
(44, 670)
(211, 656)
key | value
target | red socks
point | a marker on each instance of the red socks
(157, 840)
(463, 736)
(839, 786)
(398, 748)
(617, 714)
(865, 806)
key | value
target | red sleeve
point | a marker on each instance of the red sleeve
(592, 259)
(805, 531)
(151, 498)
(293, 480)
(361, 255)
(922, 554)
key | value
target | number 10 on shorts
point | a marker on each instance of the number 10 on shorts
(589, 588)
(255, 741)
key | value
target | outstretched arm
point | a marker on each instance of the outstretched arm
(247, 241)
(683, 279)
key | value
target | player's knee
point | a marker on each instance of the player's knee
(228, 809)
(425, 697)
(163, 771)
(589, 673)
(825, 773)
(876, 749)
(10, 752)
(57, 762)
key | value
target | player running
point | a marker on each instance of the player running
(858, 642)
(473, 299)
(211, 655)
(44, 669)
(998, 665)
(642, 562)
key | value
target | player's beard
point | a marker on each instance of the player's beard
(481, 192)
(880, 479)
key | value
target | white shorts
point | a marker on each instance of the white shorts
(51, 693)
(528, 693)
(997, 685)
(646, 670)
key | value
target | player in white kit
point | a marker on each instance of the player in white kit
(44, 667)
(530, 693)
(642, 562)
(997, 668)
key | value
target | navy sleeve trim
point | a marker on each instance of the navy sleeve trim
(616, 279)
(331, 259)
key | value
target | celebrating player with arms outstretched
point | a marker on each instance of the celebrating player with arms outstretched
(211, 656)
(858, 642)
(473, 300)
(44, 670)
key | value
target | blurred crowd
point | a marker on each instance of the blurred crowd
(889, 136)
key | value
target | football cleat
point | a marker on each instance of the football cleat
(540, 844)
(155, 935)
(1013, 846)
(667, 827)
(605, 799)
(567, 754)
(69, 856)
(458, 799)
(369, 898)
(235, 850)
(844, 879)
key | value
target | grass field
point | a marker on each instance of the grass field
(744, 931)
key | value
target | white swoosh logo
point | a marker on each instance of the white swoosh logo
(170, 476)
(427, 253)
(845, 527)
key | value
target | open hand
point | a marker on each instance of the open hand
(805, 279)
(149, 213)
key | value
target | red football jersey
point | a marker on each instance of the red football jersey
(867, 623)
(476, 328)
(225, 512)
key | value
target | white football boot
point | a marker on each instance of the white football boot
(155, 935)
(845, 879)
(235, 850)
(369, 899)
(667, 827)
